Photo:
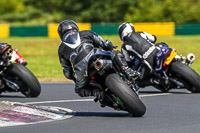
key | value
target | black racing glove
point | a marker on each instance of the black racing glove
(108, 45)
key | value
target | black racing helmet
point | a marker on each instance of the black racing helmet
(124, 29)
(66, 26)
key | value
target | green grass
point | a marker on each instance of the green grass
(185, 45)
(41, 53)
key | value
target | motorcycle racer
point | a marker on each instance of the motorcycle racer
(76, 49)
(139, 47)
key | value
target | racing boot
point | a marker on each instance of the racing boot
(89, 91)
(97, 93)
(120, 61)
(85, 91)
(130, 73)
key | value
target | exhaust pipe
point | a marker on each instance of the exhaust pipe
(100, 64)
(190, 59)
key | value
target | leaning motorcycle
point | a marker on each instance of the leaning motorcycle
(16, 77)
(119, 92)
(173, 71)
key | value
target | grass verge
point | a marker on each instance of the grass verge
(41, 53)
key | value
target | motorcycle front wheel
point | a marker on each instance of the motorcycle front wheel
(128, 97)
(28, 83)
(186, 74)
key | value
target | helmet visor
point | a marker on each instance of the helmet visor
(72, 38)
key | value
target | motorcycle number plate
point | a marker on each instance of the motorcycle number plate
(170, 58)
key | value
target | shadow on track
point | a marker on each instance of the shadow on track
(102, 114)
(153, 90)
(11, 96)
(159, 92)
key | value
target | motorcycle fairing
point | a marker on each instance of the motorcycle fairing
(171, 57)
(96, 52)
(160, 58)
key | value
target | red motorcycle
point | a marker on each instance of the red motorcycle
(15, 77)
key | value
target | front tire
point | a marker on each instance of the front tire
(188, 75)
(29, 85)
(128, 97)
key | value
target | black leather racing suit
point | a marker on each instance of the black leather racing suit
(138, 45)
(91, 44)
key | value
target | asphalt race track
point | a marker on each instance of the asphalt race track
(174, 112)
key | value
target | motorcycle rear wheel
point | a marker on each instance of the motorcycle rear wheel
(188, 75)
(128, 97)
(29, 85)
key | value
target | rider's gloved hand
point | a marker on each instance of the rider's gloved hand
(108, 45)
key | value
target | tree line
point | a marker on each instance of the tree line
(38, 12)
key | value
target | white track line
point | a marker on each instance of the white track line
(62, 101)
(3, 123)
(151, 95)
(89, 100)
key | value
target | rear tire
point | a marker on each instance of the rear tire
(128, 97)
(188, 75)
(29, 85)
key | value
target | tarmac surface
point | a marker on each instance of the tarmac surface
(175, 112)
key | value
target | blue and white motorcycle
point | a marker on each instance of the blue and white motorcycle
(173, 71)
